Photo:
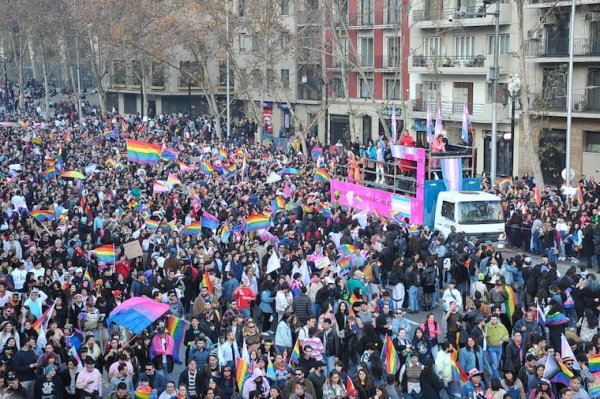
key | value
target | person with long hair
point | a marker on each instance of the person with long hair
(472, 357)
(334, 387)
(431, 384)
(512, 385)
(421, 345)
(432, 330)
(588, 325)
(364, 384)
(542, 391)
(267, 297)
(495, 391)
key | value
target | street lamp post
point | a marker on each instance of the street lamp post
(495, 75)
(514, 91)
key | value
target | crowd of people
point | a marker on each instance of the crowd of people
(318, 323)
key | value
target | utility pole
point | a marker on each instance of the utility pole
(227, 66)
(79, 104)
(570, 98)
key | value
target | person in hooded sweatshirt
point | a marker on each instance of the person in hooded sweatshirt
(257, 382)
(48, 385)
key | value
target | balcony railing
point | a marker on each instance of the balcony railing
(587, 102)
(421, 61)
(308, 93)
(376, 17)
(448, 14)
(448, 107)
(560, 47)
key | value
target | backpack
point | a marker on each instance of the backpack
(429, 276)
(368, 272)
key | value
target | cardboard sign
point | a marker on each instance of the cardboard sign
(322, 262)
(195, 159)
(133, 250)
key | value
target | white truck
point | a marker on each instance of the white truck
(474, 213)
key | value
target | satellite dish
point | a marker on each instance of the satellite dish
(564, 174)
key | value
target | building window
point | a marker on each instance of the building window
(392, 89)
(366, 12)
(337, 86)
(241, 8)
(285, 7)
(464, 47)
(366, 52)
(502, 91)
(393, 52)
(432, 46)
(222, 74)
(340, 52)
(191, 73)
(271, 77)
(158, 74)
(284, 41)
(393, 11)
(242, 42)
(427, 95)
(285, 78)
(592, 142)
(504, 41)
(256, 79)
(462, 93)
(255, 43)
(366, 88)
(119, 72)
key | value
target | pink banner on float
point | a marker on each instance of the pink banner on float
(371, 199)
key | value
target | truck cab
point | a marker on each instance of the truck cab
(474, 213)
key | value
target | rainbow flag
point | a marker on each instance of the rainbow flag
(594, 363)
(307, 209)
(176, 328)
(160, 187)
(390, 358)
(185, 168)
(458, 373)
(537, 196)
(105, 253)
(49, 173)
(73, 174)
(556, 371)
(142, 152)
(295, 355)
(207, 283)
(207, 168)
(112, 134)
(289, 171)
(241, 370)
(87, 278)
(511, 302)
(59, 155)
(414, 231)
(344, 265)
(143, 392)
(209, 221)
(231, 168)
(151, 224)
(579, 194)
(22, 123)
(321, 175)
(347, 249)
(277, 204)
(192, 229)
(397, 216)
(271, 370)
(225, 233)
(223, 154)
(43, 320)
(257, 222)
(325, 210)
(169, 155)
(504, 183)
(556, 319)
(173, 179)
(42, 215)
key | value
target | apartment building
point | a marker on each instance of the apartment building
(366, 67)
(547, 60)
(452, 56)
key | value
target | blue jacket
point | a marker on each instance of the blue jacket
(228, 287)
(265, 302)
(158, 382)
(468, 389)
(466, 359)
(201, 357)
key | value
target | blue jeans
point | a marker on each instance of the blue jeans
(245, 312)
(412, 396)
(551, 256)
(413, 298)
(315, 309)
(329, 363)
(450, 389)
(495, 354)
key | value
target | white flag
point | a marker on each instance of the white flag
(273, 263)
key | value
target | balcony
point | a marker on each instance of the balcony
(438, 17)
(375, 18)
(586, 103)
(308, 17)
(560, 47)
(449, 65)
(453, 111)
